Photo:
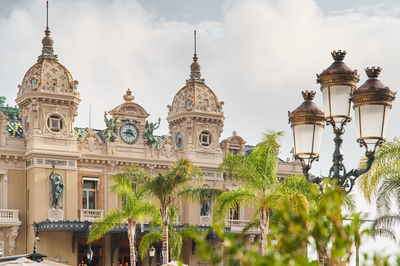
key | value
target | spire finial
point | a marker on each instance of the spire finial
(195, 67)
(47, 15)
(47, 41)
(195, 40)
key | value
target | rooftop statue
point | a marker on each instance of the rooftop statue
(148, 133)
(57, 188)
(110, 133)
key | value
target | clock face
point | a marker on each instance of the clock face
(129, 132)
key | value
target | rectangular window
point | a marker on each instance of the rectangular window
(55, 123)
(234, 213)
(233, 151)
(89, 194)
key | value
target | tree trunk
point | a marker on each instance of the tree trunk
(131, 237)
(323, 255)
(165, 221)
(264, 226)
(357, 255)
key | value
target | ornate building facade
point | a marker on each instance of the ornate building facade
(55, 177)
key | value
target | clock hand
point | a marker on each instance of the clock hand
(129, 133)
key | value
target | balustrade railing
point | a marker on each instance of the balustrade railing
(237, 226)
(90, 214)
(9, 216)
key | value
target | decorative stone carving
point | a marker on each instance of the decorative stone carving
(252, 238)
(91, 141)
(233, 143)
(129, 108)
(167, 148)
(55, 215)
(205, 220)
(12, 234)
(1, 248)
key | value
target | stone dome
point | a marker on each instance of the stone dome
(48, 74)
(195, 95)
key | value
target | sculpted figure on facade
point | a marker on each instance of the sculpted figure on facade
(57, 188)
(12, 235)
(148, 132)
(110, 133)
(206, 205)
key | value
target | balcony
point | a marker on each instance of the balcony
(9, 218)
(238, 225)
(90, 214)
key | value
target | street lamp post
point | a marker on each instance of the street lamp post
(89, 255)
(152, 252)
(372, 102)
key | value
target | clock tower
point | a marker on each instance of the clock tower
(131, 120)
(196, 119)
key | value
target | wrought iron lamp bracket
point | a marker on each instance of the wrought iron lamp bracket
(338, 171)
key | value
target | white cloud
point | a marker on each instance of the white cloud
(257, 58)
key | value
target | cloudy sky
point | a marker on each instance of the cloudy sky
(256, 55)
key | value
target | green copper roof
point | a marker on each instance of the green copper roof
(15, 128)
(11, 112)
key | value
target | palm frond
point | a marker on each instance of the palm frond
(349, 202)
(230, 199)
(190, 232)
(386, 163)
(250, 225)
(382, 232)
(386, 221)
(148, 239)
(258, 170)
(111, 219)
(144, 210)
(201, 193)
(388, 190)
(175, 245)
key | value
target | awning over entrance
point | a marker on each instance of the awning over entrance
(80, 230)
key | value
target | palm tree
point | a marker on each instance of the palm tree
(129, 187)
(260, 185)
(383, 181)
(165, 187)
(385, 166)
(177, 235)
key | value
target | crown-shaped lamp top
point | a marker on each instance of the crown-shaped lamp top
(308, 95)
(338, 55)
(373, 72)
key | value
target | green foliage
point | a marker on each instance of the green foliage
(129, 186)
(230, 200)
(297, 231)
(165, 187)
(113, 218)
(176, 236)
(147, 240)
(383, 182)
(261, 188)
(386, 164)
